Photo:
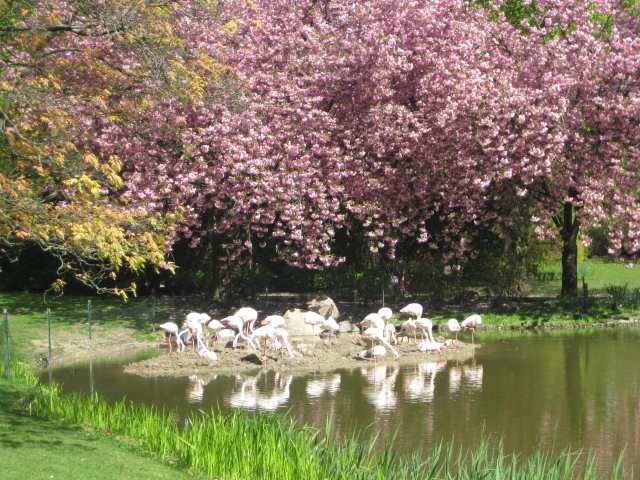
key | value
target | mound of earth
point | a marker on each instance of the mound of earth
(310, 354)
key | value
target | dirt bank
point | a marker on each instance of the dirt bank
(310, 354)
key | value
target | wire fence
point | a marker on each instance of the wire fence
(144, 315)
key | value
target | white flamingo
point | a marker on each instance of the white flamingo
(283, 335)
(471, 322)
(276, 321)
(237, 324)
(266, 332)
(454, 327)
(330, 326)
(198, 317)
(172, 329)
(313, 319)
(374, 352)
(206, 353)
(408, 327)
(194, 327)
(386, 313)
(377, 335)
(415, 310)
(249, 317)
(216, 326)
(390, 333)
(374, 320)
(426, 326)
(430, 346)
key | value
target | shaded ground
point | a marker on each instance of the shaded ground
(310, 354)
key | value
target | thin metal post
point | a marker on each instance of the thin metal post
(89, 318)
(153, 310)
(49, 332)
(9, 372)
(266, 299)
(382, 293)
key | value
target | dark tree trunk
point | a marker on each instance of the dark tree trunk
(569, 232)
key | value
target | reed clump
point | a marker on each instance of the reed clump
(241, 446)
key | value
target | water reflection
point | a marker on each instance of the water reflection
(324, 384)
(381, 380)
(420, 385)
(195, 392)
(254, 393)
(471, 375)
(559, 389)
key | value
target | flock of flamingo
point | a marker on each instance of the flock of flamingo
(377, 330)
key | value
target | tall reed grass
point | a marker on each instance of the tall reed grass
(241, 446)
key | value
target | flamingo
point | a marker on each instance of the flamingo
(471, 322)
(386, 313)
(373, 320)
(408, 327)
(454, 327)
(194, 317)
(237, 324)
(390, 332)
(276, 320)
(248, 316)
(313, 319)
(283, 335)
(216, 325)
(206, 353)
(374, 352)
(426, 326)
(172, 329)
(430, 346)
(415, 310)
(377, 335)
(195, 329)
(265, 332)
(331, 326)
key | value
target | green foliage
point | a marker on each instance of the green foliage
(622, 298)
(429, 275)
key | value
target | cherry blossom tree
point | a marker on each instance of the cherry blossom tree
(282, 123)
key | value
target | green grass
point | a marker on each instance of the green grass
(34, 449)
(86, 437)
(598, 274)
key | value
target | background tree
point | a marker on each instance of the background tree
(64, 65)
(281, 125)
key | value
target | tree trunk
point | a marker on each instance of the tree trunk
(569, 233)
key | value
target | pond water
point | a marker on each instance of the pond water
(577, 388)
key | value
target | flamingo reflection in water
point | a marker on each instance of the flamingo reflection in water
(195, 392)
(381, 389)
(250, 396)
(196, 389)
(420, 386)
(467, 377)
(324, 384)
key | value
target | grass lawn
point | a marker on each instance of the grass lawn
(32, 449)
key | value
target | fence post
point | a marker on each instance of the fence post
(49, 333)
(585, 295)
(89, 319)
(6, 342)
(153, 310)
(266, 300)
